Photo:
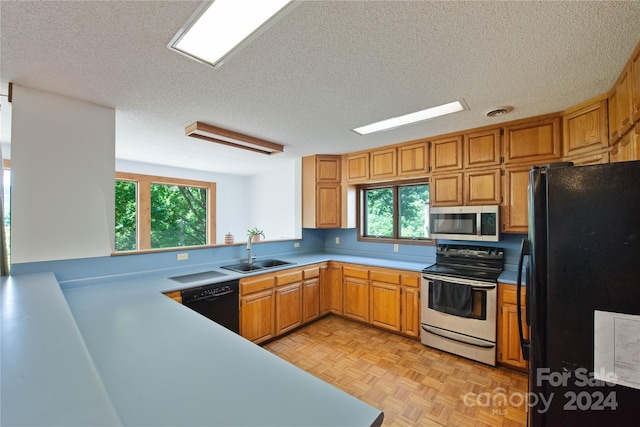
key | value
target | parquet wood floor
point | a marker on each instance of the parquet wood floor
(412, 384)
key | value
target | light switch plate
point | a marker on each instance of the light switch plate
(337, 240)
(395, 247)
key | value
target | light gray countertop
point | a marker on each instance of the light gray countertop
(124, 354)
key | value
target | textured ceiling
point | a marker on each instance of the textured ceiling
(323, 69)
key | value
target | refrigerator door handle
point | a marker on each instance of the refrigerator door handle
(524, 344)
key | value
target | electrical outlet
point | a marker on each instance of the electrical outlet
(296, 244)
(337, 240)
(182, 257)
(395, 247)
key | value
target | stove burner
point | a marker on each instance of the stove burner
(468, 262)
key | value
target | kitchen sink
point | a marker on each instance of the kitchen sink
(198, 276)
(245, 267)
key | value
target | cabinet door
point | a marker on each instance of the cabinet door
(614, 135)
(446, 189)
(413, 159)
(410, 306)
(357, 167)
(328, 169)
(383, 164)
(509, 351)
(635, 71)
(446, 154)
(590, 159)
(356, 298)
(626, 148)
(257, 321)
(325, 290)
(585, 127)
(514, 216)
(624, 101)
(385, 305)
(482, 149)
(533, 142)
(482, 187)
(328, 206)
(288, 307)
(311, 299)
(335, 274)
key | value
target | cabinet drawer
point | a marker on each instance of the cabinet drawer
(256, 284)
(386, 277)
(286, 278)
(412, 281)
(355, 272)
(309, 273)
(509, 295)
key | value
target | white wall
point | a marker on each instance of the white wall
(62, 162)
(276, 202)
(232, 206)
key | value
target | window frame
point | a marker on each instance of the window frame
(143, 209)
(361, 212)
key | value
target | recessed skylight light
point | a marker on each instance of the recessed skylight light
(219, 28)
(418, 116)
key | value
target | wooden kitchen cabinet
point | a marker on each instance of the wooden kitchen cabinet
(385, 299)
(335, 281)
(628, 147)
(514, 215)
(624, 101)
(322, 205)
(585, 127)
(446, 189)
(383, 164)
(357, 167)
(311, 294)
(410, 304)
(483, 187)
(446, 154)
(612, 109)
(413, 159)
(175, 295)
(355, 288)
(635, 73)
(288, 307)
(257, 308)
(509, 349)
(534, 142)
(482, 149)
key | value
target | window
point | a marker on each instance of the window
(395, 211)
(156, 212)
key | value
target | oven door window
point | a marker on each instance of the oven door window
(458, 300)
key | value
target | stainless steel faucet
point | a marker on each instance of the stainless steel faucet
(250, 257)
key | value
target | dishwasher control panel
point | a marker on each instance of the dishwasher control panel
(209, 291)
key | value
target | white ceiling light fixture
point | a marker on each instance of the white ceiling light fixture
(233, 139)
(418, 116)
(219, 28)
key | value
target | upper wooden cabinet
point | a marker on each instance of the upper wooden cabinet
(514, 215)
(446, 154)
(328, 169)
(482, 187)
(623, 102)
(628, 147)
(413, 159)
(585, 127)
(383, 164)
(614, 135)
(322, 205)
(446, 189)
(635, 73)
(357, 167)
(535, 142)
(482, 149)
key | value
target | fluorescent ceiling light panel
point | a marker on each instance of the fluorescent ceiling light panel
(220, 27)
(233, 139)
(418, 116)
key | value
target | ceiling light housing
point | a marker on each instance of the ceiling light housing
(418, 116)
(233, 139)
(219, 28)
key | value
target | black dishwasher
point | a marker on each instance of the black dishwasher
(218, 302)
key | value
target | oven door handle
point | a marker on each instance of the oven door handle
(457, 337)
(460, 281)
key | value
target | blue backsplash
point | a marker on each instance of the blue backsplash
(98, 270)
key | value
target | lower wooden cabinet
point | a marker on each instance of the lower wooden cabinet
(335, 280)
(509, 350)
(310, 294)
(410, 304)
(355, 293)
(257, 316)
(288, 307)
(385, 300)
(175, 295)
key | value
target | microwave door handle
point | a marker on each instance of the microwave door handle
(524, 344)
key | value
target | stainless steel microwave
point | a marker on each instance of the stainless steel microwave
(465, 223)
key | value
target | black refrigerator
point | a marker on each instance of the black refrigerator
(582, 260)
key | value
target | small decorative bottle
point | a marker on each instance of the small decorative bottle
(228, 238)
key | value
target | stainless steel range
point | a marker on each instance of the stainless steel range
(459, 301)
